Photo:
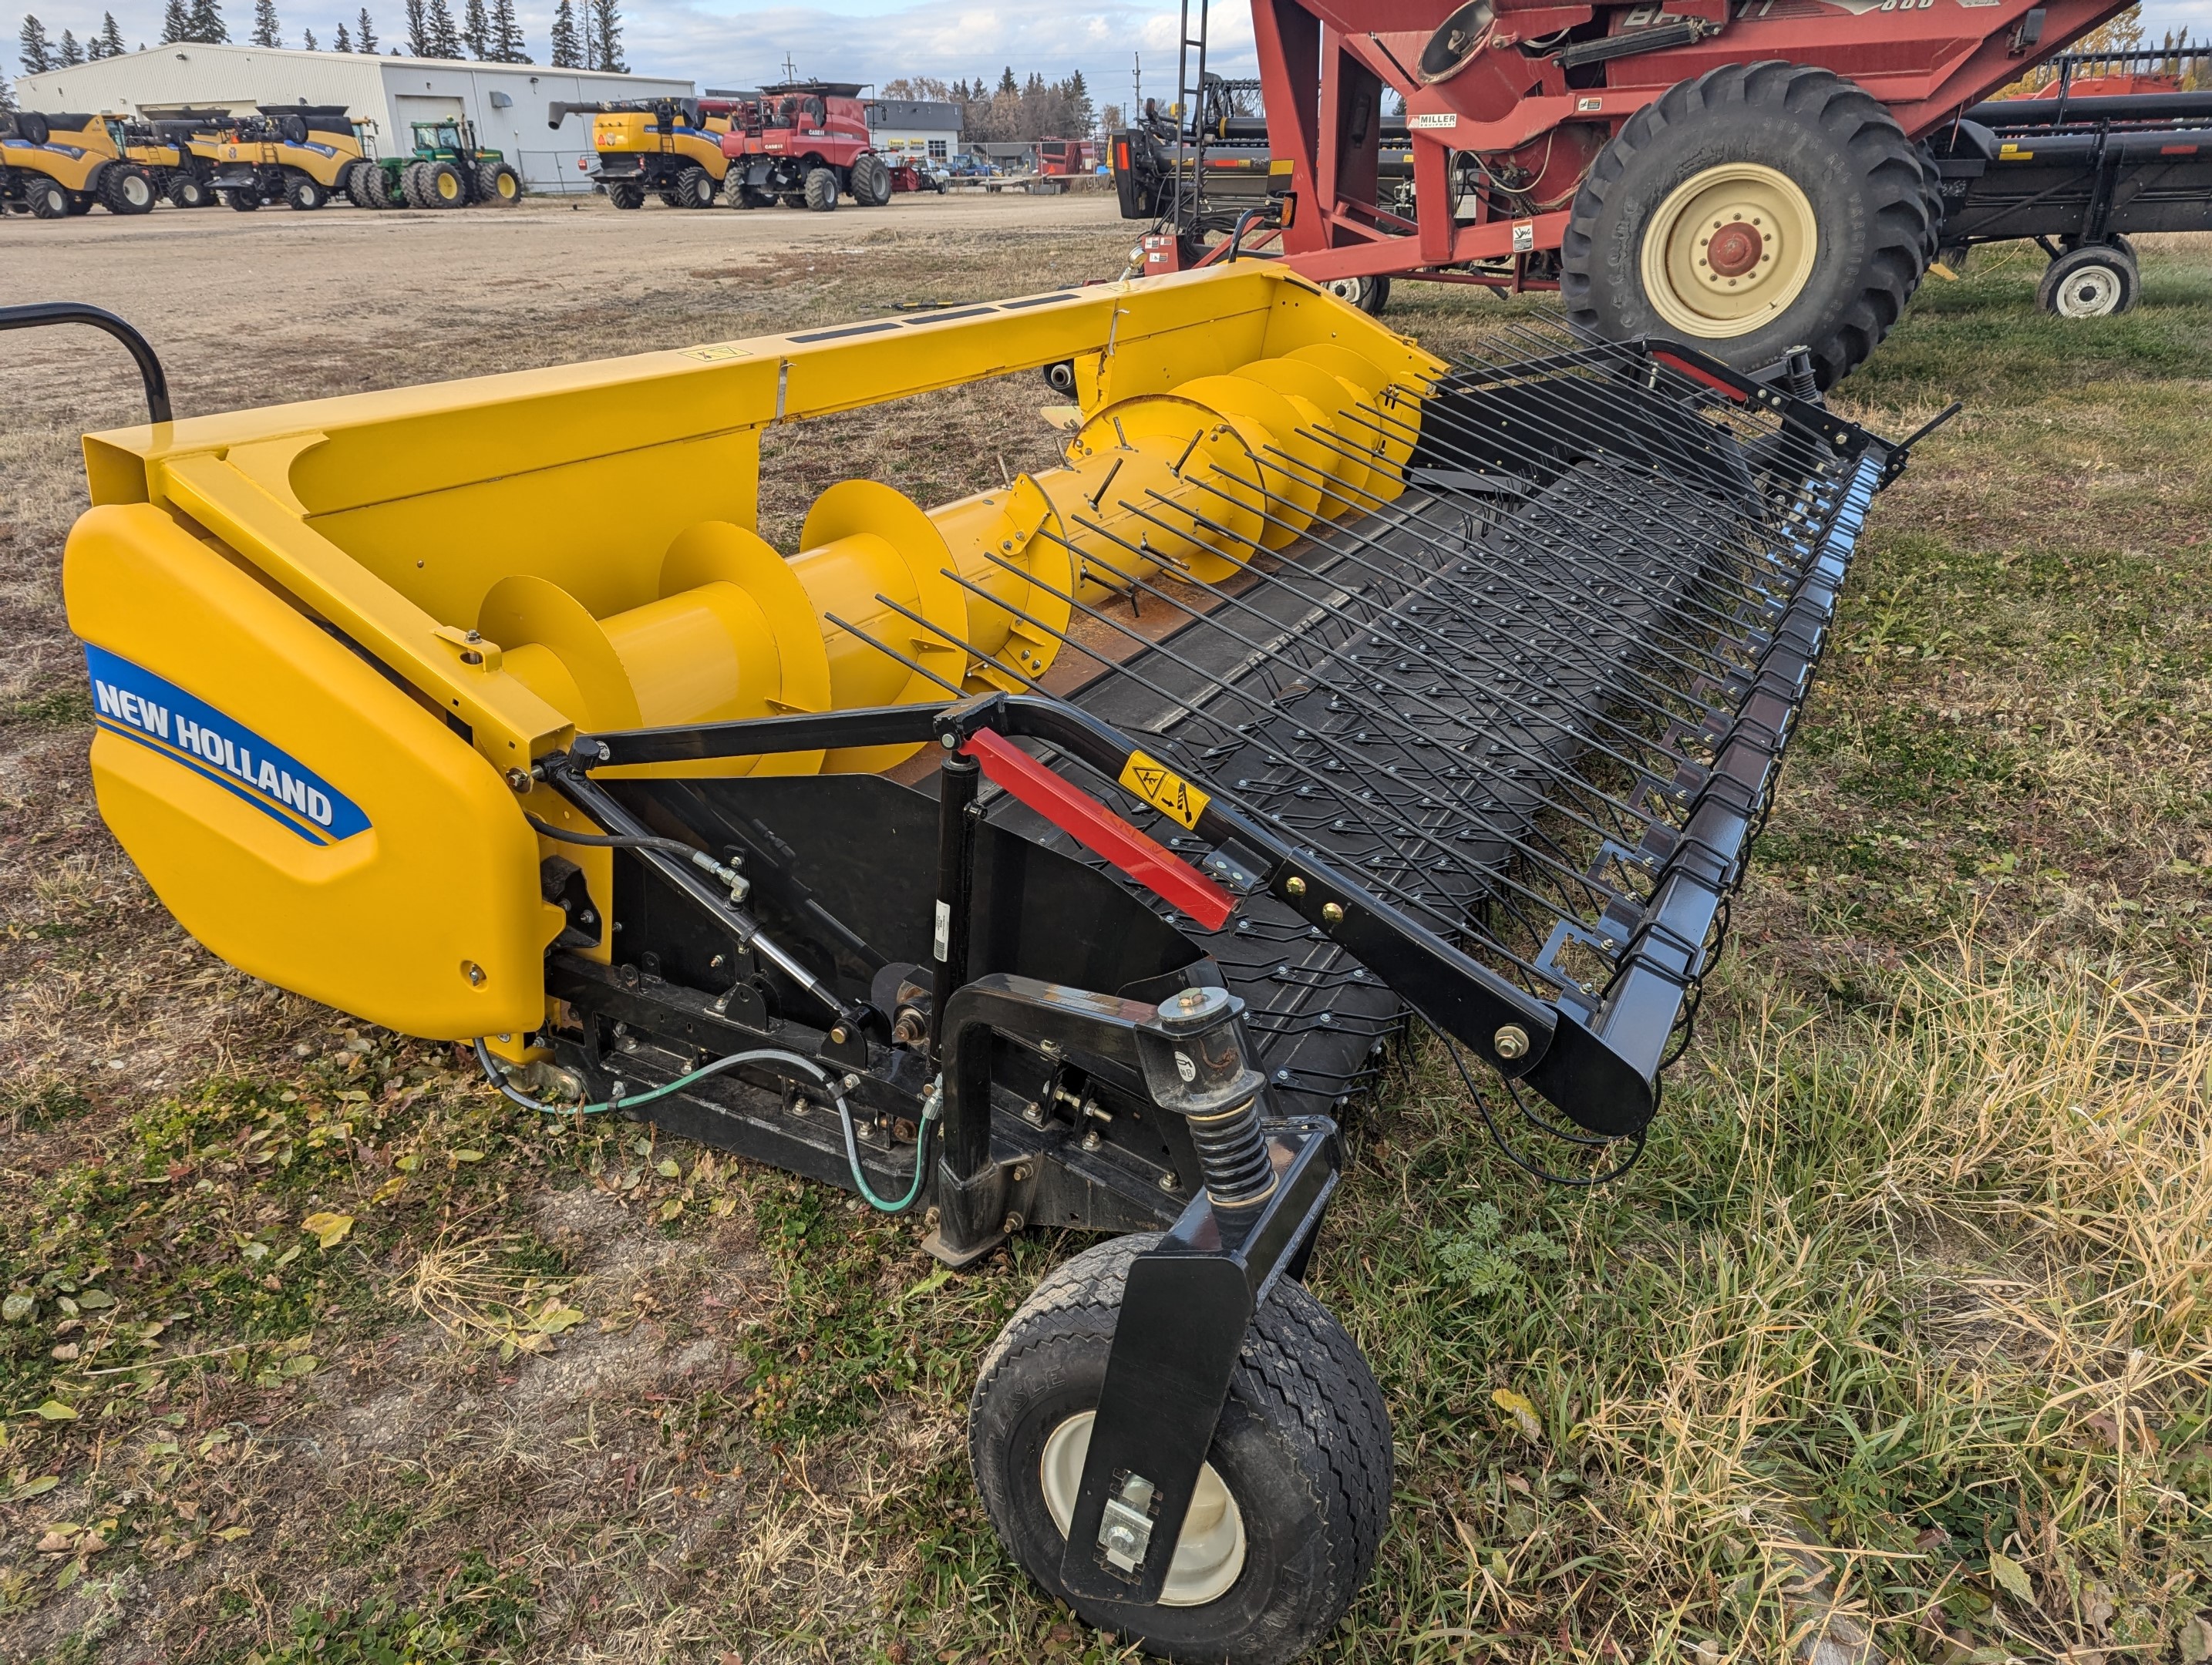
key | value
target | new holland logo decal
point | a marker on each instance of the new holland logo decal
(131, 701)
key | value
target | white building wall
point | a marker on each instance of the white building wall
(917, 142)
(506, 101)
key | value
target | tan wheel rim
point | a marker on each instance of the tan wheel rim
(1210, 1553)
(448, 186)
(508, 187)
(1729, 250)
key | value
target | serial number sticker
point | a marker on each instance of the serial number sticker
(1584, 104)
(1164, 789)
(708, 354)
(1445, 118)
(1524, 236)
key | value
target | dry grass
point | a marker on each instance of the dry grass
(1900, 1332)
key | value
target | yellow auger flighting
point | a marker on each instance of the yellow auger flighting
(1064, 855)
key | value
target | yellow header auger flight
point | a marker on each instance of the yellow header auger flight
(1064, 855)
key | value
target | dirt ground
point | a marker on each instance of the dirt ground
(1907, 1302)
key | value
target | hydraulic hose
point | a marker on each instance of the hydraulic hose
(831, 1084)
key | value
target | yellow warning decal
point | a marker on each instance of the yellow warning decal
(1164, 789)
(2009, 152)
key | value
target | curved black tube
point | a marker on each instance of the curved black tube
(41, 312)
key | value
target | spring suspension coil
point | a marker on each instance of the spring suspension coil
(1233, 1156)
(1220, 1100)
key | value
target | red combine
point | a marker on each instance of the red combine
(804, 143)
(1746, 175)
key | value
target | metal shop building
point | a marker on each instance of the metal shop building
(506, 101)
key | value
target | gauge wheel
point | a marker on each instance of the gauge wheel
(1290, 1505)
(2094, 281)
(1759, 206)
(1370, 294)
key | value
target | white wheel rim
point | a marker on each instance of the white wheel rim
(1209, 1555)
(1729, 250)
(2091, 292)
(1347, 289)
(136, 191)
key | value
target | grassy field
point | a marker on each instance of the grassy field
(1900, 1338)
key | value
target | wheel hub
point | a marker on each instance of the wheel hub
(1729, 248)
(2093, 292)
(1209, 1553)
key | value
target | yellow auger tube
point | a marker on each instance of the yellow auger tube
(327, 640)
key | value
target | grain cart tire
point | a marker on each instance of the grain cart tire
(821, 193)
(627, 194)
(305, 194)
(2094, 281)
(47, 199)
(1370, 294)
(442, 185)
(126, 188)
(1290, 1507)
(1931, 192)
(497, 183)
(1756, 208)
(871, 180)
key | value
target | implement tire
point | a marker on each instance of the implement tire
(126, 188)
(1290, 1509)
(1759, 206)
(821, 190)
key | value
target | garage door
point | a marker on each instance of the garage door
(420, 108)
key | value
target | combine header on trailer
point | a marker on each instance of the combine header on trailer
(1062, 856)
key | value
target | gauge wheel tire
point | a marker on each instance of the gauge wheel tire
(126, 188)
(1782, 158)
(629, 194)
(2094, 281)
(2126, 246)
(1300, 1467)
(871, 180)
(47, 199)
(498, 183)
(821, 193)
(1370, 294)
(305, 194)
(245, 198)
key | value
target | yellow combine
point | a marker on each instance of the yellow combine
(1066, 855)
(665, 146)
(53, 166)
(301, 156)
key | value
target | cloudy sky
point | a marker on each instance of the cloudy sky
(714, 42)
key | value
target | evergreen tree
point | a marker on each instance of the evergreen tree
(110, 38)
(345, 41)
(176, 25)
(364, 32)
(38, 50)
(7, 94)
(476, 30)
(266, 31)
(606, 36)
(445, 37)
(1006, 82)
(307, 42)
(71, 53)
(567, 44)
(205, 24)
(418, 30)
(507, 46)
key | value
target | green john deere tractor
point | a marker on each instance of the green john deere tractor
(446, 169)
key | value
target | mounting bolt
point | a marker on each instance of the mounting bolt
(476, 635)
(1294, 886)
(1012, 1225)
(1511, 1041)
(1021, 1173)
(1332, 912)
(518, 779)
(1171, 1182)
(473, 972)
(1091, 1141)
(838, 1035)
(930, 1217)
